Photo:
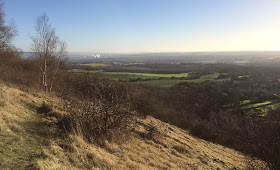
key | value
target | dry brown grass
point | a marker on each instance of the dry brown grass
(175, 149)
(168, 147)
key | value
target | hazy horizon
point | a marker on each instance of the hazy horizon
(158, 26)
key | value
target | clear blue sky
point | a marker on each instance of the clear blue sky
(153, 25)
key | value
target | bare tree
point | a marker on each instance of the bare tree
(7, 50)
(48, 50)
(7, 32)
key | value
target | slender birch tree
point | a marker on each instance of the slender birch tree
(48, 50)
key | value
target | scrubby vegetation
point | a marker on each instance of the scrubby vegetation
(215, 112)
(34, 141)
(216, 102)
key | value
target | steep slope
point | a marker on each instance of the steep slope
(32, 140)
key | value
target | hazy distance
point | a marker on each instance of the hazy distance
(111, 26)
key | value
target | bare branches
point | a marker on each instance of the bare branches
(49, 50)
(7, 32)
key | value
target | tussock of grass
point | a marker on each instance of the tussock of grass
(44, 109)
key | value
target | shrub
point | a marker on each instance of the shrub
(262, 140)
(180, 149)
(152, 132)
(142, 103)
(44, 109)
(204, 130)
(97, 107)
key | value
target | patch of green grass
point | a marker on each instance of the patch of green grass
(210, 76)
(243, 76)
(264, 110)
(251, 106)
(259, 109)
(172, 82)
(83, 71)
(151, 75)
(210, 61)
(241, 62)
(129, 75)
(161, 83)
(245, 102)
(95, 65)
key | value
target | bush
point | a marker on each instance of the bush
(97, 107)
(44, 109)
(262, 140)
(204, 130)
(142, 103)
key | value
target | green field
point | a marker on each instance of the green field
(95, 65)
(264, 110)
(251, 106)
(129, 75)
(172, 82)
(161, 83)
(245, 102)
(241, 62)
(210, 61)
(82, 71)
(259, 109)
(243, 76)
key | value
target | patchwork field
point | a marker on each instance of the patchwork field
(129, 75)
(161, 80)
(259, 109)
(172, 82)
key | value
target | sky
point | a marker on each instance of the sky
(132, 26)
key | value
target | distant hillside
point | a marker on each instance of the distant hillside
(30, 140)
(180, 57)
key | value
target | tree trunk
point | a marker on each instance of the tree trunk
(45, 85)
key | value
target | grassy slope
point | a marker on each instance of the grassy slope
(31, 140)
(23, 132)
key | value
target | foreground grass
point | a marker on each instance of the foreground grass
(29, 140)
(23, 132)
